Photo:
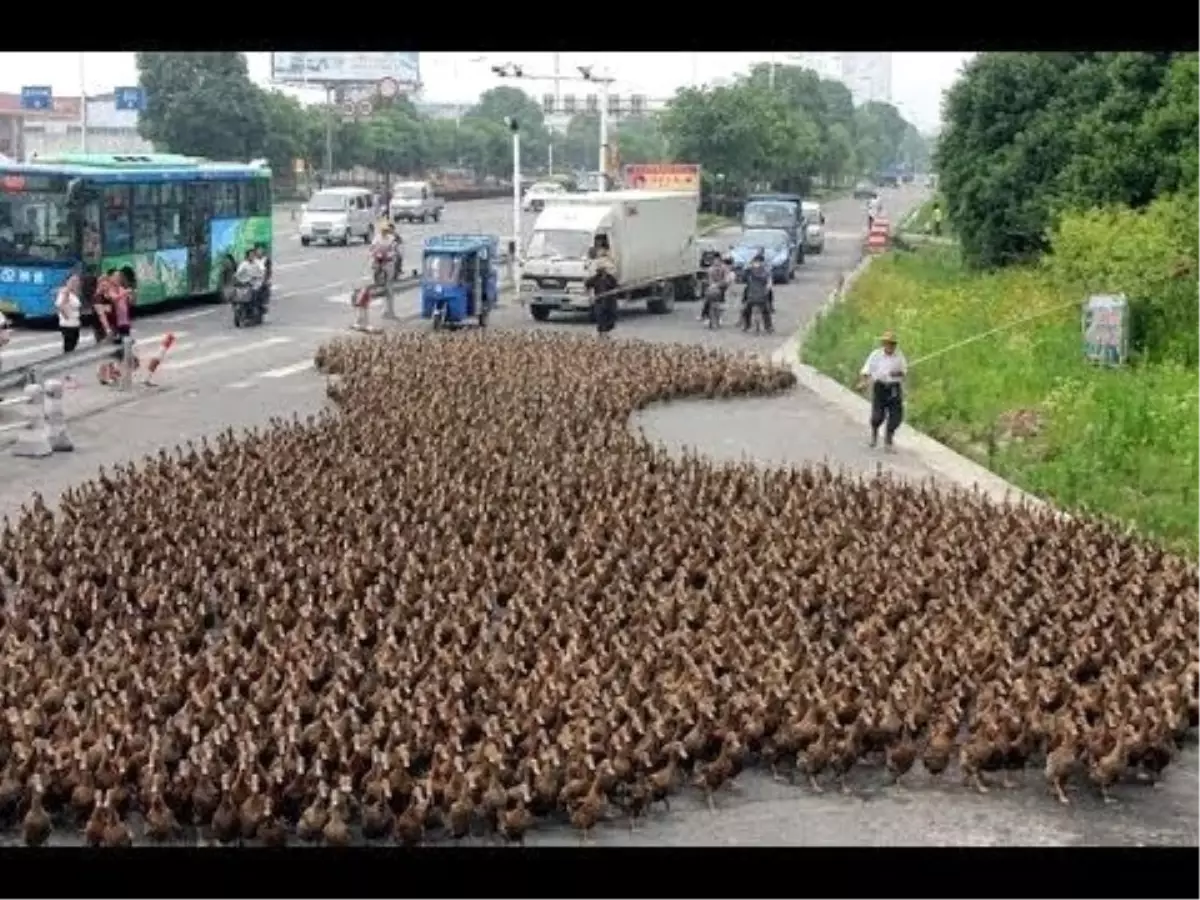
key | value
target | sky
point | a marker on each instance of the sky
(918, 79)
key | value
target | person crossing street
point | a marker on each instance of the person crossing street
(884, 372)
(385, 261)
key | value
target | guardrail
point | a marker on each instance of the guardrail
(39, 370)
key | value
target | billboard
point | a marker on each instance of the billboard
(346, 68)
(663, 177)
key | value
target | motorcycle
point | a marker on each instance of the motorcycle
(381, 261)
(247, 305)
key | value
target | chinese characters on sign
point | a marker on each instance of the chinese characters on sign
(663, 177)
(1106, 329)
(22, 276)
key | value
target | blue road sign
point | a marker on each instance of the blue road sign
(37, 97)
(130, 98)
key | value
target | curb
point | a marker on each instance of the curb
(936, 456)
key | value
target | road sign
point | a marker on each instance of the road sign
(132, 99)
(388, 88)
(38, 96)
(364, 107)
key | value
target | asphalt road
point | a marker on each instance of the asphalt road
(217, 377)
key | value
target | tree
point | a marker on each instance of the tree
(202, 104)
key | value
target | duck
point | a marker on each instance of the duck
(36, 826)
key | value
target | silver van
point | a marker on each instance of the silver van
(337, 215)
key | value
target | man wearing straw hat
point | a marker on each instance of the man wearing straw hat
(884, 371)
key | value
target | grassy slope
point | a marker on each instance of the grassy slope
(1123, 443)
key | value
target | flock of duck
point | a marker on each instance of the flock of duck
(471, 600)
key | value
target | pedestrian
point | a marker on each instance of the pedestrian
(884, 372)
(874, 209)
(758, 293)
(603, 285)
(936, 224)
(69, 308)
(121, 299)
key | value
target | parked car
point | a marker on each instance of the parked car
(814, 226)
(415, 201)
(337, 215)
(535, 196)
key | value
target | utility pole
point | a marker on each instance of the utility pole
(514, 247)
(83, 110)
(329, 135)
(771, 73)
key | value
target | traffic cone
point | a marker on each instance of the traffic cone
(152, 366)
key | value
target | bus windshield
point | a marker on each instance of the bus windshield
(769, 214)
(35, 228)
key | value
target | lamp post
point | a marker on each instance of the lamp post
(514, 247)
(83, 111)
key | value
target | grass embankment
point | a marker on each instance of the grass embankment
(708, 222)
(921, 220)
(1023, 401)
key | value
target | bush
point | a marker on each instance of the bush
(1021, 400)
(1150, 256)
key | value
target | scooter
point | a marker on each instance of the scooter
(248, 305)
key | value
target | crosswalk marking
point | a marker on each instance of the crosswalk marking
(235, 350)
(285, 371)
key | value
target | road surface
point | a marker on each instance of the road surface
(218, 377)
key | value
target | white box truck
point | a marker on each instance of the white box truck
(651, 237)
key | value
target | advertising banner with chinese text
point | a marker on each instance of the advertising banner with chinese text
(663, 177)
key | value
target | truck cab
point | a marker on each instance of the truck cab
(415, 201)
(782, 211)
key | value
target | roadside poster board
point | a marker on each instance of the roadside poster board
(1106, 329)
(663, 177)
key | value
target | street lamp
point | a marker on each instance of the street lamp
(514, 245)
(588, 73)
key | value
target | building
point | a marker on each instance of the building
(827, 65)
(868, 76)
(25, 134)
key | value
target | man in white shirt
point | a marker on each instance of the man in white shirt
(884, 371)
(874, 208)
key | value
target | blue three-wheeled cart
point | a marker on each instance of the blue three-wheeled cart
(459, 278)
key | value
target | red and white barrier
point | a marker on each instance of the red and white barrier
(879, 236)
(156, 361)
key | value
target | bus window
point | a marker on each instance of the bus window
(259, 198)
(118, 233)
(225, 200)
(245, 193)
(145, 218)
(90, 228)
(34, 226)
(170, 215)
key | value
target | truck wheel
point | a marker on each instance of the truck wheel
(304, 242)
(437, 215)
(665, 301)
(688, 288)
(540, 313)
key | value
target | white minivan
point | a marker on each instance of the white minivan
(336, 215)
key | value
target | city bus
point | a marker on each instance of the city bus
(172, 219)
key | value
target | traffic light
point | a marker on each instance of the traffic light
(568, 104)
(548, 104)
(593, 103)
(637, 104)
(614, 104)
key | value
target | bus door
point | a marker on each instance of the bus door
(197, 227)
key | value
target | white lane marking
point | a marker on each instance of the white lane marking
(279, 267)
(236, 350)
(317, 289)
(285, 371)
(12, 401)
(25, 349)
(11, 426)
(185, 317)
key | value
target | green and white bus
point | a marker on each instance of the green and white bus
(174, 220)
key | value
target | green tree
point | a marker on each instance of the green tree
(396, 141)
(202, 104)
(286, 136)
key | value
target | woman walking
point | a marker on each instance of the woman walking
(69, 307)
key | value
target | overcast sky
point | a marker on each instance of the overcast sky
(918, 79)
